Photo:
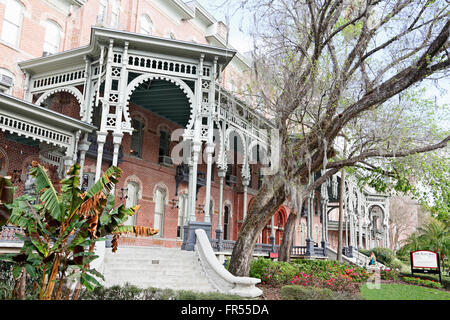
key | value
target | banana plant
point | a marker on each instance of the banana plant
(7, 191)
(62, 228)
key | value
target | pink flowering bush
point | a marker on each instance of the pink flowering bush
(388, 274)
(340, 282)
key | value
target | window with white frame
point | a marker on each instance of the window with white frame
(160, 201)
(115, 8)
(6, 81)
(12, 22)
(182, 214)
(102, 11)
(146, 25)
(52, 38)
(131, 201)
(137, 137)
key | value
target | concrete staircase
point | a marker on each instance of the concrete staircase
(146, 267)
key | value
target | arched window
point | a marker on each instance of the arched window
(303, 234)
(12, 22)
(136, 138)
(102, 11)
(160, 201)
(52, 38)
(163, 145)
(146, 25)
(131, 201)
(115, 13)
(226, 223)
(6, 81)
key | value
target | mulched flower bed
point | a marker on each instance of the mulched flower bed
(270, 292)
(274, 292)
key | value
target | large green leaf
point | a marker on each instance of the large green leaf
(49, 196)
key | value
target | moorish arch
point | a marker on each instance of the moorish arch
(71, 90)
(134, 86)
(229, 145)
(254, 144)
(376, 215)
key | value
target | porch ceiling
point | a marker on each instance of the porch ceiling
(164, 99)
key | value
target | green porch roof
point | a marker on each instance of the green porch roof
(164, 99)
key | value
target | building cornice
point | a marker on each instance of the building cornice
(136, 41)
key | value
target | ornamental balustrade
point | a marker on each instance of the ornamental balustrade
(158, 65)
(33, 131)
(57, 80)
(8, 234)
(265, 248)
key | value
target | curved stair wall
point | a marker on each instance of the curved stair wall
(220, 277)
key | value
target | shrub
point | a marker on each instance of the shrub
(272, 272)
(396, 264)
(131, 292)
(295, 292)
(383, 255)
(423, 282)
(388, 274)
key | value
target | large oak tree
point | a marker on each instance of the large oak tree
(328, 69)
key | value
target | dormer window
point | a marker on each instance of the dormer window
(115, 13)
(52, 38)
(146, 25)
(12, 22)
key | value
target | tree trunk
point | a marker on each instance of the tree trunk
(266, 203)
(288, 237)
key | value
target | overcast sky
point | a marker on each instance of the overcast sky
(238, 37)
(240, 40)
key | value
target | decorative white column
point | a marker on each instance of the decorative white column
(209, 152)
(117, 141)
(219, 231)
(192, 191)
(83, 146)
(309, 230)
(210, 145)
(101, 139)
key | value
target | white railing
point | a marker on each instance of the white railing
(33, 131)
(52, 81)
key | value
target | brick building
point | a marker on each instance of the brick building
(153, 87)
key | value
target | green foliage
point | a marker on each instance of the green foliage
(296, 292)
(383, 255)
(389, 274)
(423, 282)
(131, 292)
(314, 272)
(7, 191)
(434, 235)
(48, 257)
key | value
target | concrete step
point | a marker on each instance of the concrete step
(155, 267)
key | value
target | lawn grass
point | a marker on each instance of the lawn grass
(403, 292)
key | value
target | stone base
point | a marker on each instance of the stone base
(309, 248)
(191, 237)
